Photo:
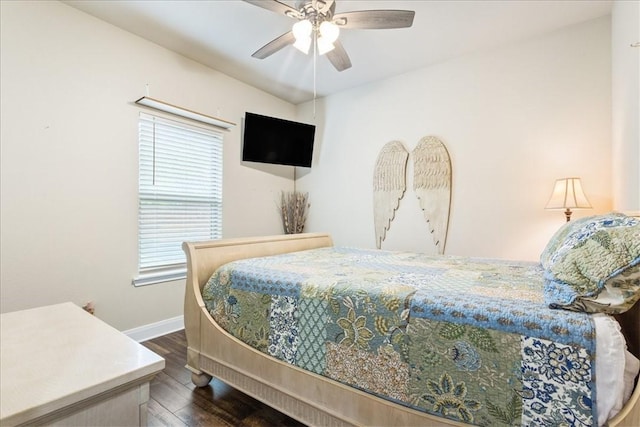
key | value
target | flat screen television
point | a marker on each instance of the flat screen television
(277, 141)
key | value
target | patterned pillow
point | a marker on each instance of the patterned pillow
(568, 229)
(594, 265)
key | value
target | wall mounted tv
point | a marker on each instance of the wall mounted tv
(278, 141)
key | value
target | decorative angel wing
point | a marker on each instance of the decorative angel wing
(432, 185)
(389, 185)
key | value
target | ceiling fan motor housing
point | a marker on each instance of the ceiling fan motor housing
(316, 11)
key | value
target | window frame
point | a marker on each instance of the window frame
(171, 270)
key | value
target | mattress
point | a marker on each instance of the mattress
(462, 338)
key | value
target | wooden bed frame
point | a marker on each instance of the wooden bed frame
(303, 395)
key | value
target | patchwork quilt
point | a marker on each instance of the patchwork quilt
(461, 338)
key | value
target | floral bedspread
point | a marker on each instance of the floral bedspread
(462, 338)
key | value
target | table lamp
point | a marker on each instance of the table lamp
(567, 194)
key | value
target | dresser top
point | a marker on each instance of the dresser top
(55, 356)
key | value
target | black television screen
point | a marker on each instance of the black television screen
(272, 140)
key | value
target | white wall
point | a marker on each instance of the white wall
(69, 160)
(513, 119)
(625, 96)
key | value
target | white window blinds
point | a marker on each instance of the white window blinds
(180, 190)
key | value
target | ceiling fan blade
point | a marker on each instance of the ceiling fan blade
(375, 19)
(276, 6)
(274, 45)
(338, 57)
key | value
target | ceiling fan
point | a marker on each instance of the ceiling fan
(318, 24)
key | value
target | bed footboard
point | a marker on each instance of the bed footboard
(203, 258)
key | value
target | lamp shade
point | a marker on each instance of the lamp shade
(329, 31)
(302, 29)
(324, 46)
(568, 194)
(303, 44)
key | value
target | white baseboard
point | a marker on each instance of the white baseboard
(153, 330)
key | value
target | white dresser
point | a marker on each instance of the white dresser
(59, 365)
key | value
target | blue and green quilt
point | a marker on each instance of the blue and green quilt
(466, 339)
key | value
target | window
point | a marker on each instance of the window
(180, 194)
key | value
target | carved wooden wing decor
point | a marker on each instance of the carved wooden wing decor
(432, 185)
(389, 185)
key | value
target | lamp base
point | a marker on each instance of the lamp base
(568, 213)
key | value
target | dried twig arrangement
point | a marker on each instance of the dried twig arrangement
(293, 208)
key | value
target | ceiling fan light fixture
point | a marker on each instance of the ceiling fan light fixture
(324, 45)
(329, 31)
(302, 29)
(303, 44)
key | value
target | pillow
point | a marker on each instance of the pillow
(568, 229)
(594, 265)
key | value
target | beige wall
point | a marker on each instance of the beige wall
(513, 119)
(69, 159)
(625, 97)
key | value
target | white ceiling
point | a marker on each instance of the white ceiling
(224, 33)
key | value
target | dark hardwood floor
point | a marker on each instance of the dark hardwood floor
(176, 401)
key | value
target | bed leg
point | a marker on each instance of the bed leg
(201, 379)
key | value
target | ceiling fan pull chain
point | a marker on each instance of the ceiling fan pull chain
(315, 59)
